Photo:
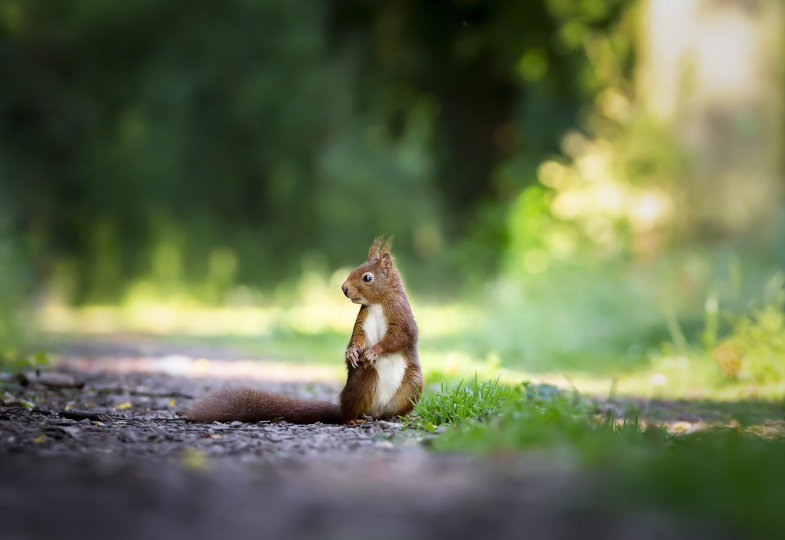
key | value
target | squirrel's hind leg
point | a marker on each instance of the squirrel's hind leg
(357, 396)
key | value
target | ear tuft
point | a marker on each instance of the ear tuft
(373, 253)
(379, 247)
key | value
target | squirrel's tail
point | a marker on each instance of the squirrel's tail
(247, 405)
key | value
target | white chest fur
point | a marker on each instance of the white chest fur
(389, 367)
(375, 325)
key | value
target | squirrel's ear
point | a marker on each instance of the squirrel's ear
(373, 253)
(386, 263)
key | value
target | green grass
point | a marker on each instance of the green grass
(726, 475)
(475, 401)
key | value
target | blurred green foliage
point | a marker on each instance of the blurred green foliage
(12, 296)
(754, 348)
(215, 143)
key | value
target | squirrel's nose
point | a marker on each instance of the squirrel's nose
(345, 290)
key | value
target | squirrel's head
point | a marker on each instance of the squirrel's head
(370, 282)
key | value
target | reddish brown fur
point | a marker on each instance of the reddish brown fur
(247, 405)
(386, 290)
(357, 397)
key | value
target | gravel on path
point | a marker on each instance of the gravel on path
(113, 458)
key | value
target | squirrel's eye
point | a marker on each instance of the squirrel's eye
(367, 277)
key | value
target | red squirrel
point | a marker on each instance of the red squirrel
(384, 376)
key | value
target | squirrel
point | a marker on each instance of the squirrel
(384, 376)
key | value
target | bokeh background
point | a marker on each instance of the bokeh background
(587, 191)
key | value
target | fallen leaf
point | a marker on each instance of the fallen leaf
(172, 402)
(40, 438)
(680, 427)
(124, 405)
(194, 459)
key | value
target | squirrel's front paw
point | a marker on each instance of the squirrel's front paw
(370, 355)
(353, 355)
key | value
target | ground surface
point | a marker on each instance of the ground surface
(112, 458)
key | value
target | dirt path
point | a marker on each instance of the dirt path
(132, 468)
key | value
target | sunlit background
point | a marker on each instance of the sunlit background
(583, 192)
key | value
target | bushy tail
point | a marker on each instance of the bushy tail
(247, 405)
